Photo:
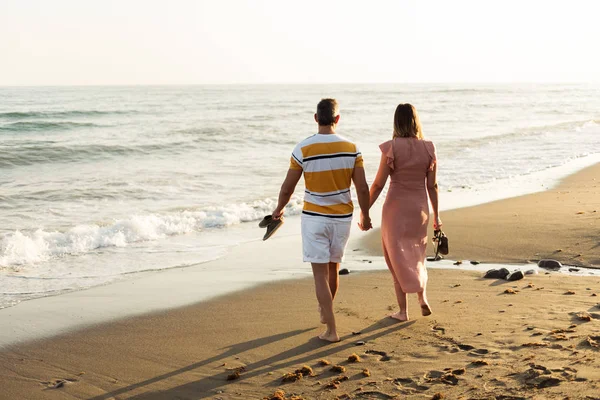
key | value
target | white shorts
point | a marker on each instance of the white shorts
(324, 240)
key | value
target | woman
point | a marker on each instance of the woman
(410, 162)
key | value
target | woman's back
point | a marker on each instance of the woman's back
(409, 160)
(410, 163)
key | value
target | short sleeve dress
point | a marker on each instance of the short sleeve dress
(406, 211)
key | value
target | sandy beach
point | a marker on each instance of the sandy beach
(537, 338)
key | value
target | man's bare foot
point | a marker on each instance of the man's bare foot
(321, 314)
(329, 337)
(400, 316)
(425, 310)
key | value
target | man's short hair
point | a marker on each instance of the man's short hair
(327, 110)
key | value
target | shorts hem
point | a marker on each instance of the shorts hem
(316, 261)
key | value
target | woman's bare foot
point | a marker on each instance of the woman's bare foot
(425, 310)
(400, 316)
(329, 337)
(321, 314)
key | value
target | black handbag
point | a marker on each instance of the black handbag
(440, 240)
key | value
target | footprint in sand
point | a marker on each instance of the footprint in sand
(473, 350)
(441, 376)
(582, 316)
(593, 341)
(383, 354)
(459, 371)
(410, 383)
(373, 395)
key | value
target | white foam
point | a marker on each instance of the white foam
(18, 248)
(519, 185)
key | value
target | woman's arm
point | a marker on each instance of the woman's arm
(432, 189)
(379, 183)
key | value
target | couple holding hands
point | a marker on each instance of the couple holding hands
(330, 163)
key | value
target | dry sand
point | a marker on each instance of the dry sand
(538, 341)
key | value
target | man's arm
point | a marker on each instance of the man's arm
(287, 189)
(362, 192)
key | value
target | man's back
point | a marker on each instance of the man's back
(328, 162)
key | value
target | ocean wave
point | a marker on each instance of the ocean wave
(23, 126)
(44, 154)
(19, 248)
(61, 114)
(475, 90)
(570, 127)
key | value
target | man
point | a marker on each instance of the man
(329, 163)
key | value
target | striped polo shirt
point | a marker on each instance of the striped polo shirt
(328, 161)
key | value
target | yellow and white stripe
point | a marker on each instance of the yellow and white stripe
(328, 162)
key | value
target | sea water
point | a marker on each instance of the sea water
(102, 183)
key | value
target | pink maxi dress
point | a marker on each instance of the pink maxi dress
(406, 211)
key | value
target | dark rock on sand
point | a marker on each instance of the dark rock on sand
(515, 276)
(573, 269)
(550, 264)
(473, 262)
(497, 273)
(344, 271)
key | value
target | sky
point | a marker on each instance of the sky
(131, 42)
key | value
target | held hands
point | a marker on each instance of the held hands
(365, 222)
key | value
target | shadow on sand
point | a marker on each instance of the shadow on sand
(293, 357)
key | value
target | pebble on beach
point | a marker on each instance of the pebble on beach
(550, 264)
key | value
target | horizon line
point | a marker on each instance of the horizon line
(303, 83)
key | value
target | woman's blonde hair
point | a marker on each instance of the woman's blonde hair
(406, 122)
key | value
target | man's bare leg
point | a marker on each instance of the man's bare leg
(334, 278)
(334, 283)
(321, 275)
